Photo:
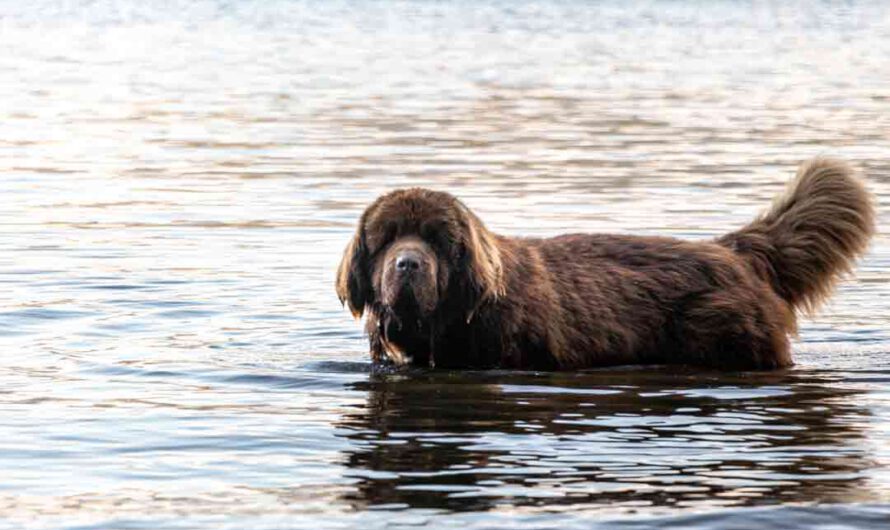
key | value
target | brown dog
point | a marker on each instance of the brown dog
(439, 289)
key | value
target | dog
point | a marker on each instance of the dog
(441, 290)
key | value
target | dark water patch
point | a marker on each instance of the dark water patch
(331, 376)
(608, 446)
(37, 315)
(347, 367)
(115, 287)
(186, 314)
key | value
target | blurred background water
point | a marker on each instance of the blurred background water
(178, 180)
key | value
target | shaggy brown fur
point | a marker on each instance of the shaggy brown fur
(440, 289)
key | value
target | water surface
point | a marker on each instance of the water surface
(179, 180)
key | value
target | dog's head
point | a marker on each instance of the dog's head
(419, 258)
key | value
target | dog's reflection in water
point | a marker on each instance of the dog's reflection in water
(610, 439)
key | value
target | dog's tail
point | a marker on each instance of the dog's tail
(812, 234)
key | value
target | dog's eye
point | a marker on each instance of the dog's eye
(428, 233)
(385, 235)
(389, 234)
(436, 237)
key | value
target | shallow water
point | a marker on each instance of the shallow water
(178, 182)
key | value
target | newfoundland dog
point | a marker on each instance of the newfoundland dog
(439, 289)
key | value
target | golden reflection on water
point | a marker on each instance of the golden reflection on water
(178, 183)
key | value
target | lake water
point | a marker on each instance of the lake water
(178, 180)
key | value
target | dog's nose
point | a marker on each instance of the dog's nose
(407, 262)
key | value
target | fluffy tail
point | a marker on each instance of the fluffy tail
(811, 236)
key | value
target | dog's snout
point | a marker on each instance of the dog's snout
(409, 279)
(408, 261)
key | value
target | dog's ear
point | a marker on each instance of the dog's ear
(483, 275)
(353, 278)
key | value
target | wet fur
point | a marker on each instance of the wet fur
(585, 300)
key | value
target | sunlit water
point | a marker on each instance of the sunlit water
(178, 182)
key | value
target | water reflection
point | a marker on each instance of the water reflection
(618, 439)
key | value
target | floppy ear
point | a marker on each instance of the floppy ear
(353, 281)
(482, 260)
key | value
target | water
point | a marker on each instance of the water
(179, 180)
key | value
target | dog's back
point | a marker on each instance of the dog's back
(728, 304)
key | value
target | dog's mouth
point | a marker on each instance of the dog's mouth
(406, 337)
